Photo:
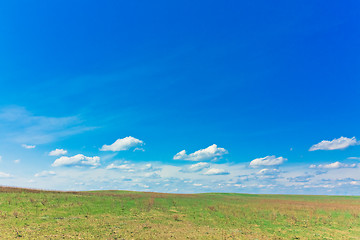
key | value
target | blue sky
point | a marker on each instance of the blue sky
(247, 89)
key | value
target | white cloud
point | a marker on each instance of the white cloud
(210, 153)
(58, 152)
(354, 158)
(333, 165)
(77, 160)
(267, 161)
(121, 167)
(337, 143)
(28, 146)
(196, 167)
(122, 144)
(17, 161)
(5, 175)
(216, 171)
(45, 174)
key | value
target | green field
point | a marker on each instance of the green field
(32, 214)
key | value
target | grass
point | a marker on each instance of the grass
(33, 214)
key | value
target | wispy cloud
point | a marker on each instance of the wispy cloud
(333, 165)
(196, 167)
(152, 175)
(45, 174)
(28, 146)
(210, 153)
(139, 149)
(267, 161)
(303, 178)
(150, 167)
(337, 143)
(123, 144)
(267, 171)
(5, 175)
(19, 125)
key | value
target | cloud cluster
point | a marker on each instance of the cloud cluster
(337, 143)
(267, 161)
(200, 173)
(334, 165)
(122, 144)
(77, 160)
(210, 153)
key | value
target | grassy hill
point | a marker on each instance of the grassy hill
(34, 214)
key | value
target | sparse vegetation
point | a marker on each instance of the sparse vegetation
(34, 214)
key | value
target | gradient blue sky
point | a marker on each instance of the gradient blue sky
(256, 78)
